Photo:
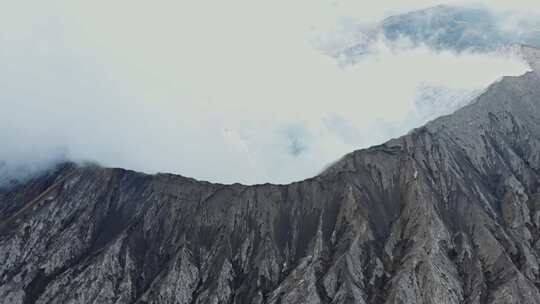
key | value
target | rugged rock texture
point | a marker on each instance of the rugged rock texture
(448, 214)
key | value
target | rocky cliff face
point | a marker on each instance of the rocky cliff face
(448, 214)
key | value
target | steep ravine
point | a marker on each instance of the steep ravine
(447, 214)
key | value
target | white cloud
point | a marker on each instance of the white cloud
(223, 91)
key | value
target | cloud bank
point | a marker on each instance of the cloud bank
(460, 29)
(226, 92)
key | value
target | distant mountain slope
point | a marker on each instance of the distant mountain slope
(446, 27)
(449, 213)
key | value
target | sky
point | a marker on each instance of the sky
(235, 91)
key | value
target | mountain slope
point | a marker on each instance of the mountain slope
(449, 213)
(444, 27)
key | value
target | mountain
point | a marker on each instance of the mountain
(447, 214)
(445, 27)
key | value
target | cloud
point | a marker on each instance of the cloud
(468, 27)
(226, 92)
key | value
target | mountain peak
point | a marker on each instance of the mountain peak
(468, 124)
